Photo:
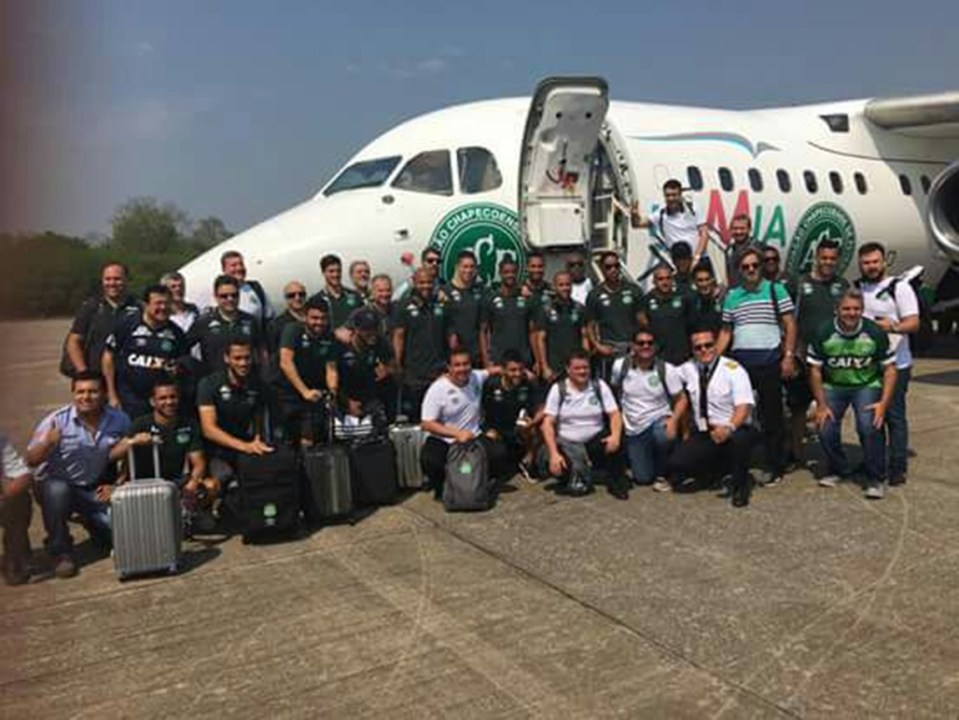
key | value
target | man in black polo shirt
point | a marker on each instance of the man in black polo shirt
(180, 449)
(558, 328)
(365, 366)
(232, 406)
(216, 328)
(509, 406)
(464, 299)
(667, 312)
(682, 258)
(308, 355)
(294, 292)
(96, 319)
(142, 350)
(536, 288)
(419, 342)
(706, 304)
(612, 313)
(339, 299)
(505, 318)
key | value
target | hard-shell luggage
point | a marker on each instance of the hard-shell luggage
(468, 485)
(269, 499)
(407, 443)
(373, 468)
(326, 469)
(147, 524)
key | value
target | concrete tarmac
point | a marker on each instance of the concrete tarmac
(809, 603)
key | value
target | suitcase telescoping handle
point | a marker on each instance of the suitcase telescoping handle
(155, 445)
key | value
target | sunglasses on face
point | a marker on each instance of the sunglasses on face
(749, 266)
(296, 294)
(610, 266)
(432, 261)
(228, 296)
(643, 343)
(704, 346)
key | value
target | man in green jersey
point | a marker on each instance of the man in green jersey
(850, 363)
(612, 313)
(420, 340)
(464, 297)
(506, 318)
(666, 311)
(558, 328)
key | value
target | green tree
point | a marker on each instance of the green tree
(209, 232)
(143, 225)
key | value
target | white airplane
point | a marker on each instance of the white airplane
(509, 175)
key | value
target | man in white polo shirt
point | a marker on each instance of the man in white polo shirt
(722, 399)
(451, 413)
(677, 221)
(575, 433)
(647, 386)
(893, 305)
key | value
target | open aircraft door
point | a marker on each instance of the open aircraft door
(558, 164)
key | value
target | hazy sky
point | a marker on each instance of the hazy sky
(241, 109)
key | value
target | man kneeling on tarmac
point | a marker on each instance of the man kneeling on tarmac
(510, 413)
(180, 449)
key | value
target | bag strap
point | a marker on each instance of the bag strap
(660, 366)
(261, 296)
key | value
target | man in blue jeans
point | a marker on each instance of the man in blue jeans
(851, 363)
(71, 450)
(646, 386)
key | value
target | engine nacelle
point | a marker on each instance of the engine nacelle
(942, 211)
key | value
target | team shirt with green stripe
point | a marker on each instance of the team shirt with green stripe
(851, 360)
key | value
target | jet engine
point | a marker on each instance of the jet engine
(942, 211)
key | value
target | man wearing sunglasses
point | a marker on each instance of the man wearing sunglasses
(721, 396)
(612, 313)
(576, 267)
(772, 266)
(294, 292)
(759, 332)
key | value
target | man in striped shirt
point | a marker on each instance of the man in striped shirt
(759, 332)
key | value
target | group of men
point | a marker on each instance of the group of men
(564, 378)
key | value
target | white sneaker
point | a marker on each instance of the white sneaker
(662, 485)
(829, 481)
(876, 491)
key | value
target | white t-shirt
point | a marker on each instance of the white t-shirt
(643, 398)
(881, 304)
(459, 407)
(728, 387)
(581, 290)
(581, 417)
(679, 227)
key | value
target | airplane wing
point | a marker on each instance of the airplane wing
(933, 116)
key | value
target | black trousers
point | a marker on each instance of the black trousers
(433, 461)
(700, 457)
(767, 383)
(612, 466)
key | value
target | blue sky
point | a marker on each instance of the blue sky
(241, 109)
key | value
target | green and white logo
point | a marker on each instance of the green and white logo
(490, 231)
(822, 221)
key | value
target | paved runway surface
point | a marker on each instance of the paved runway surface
(810, 603)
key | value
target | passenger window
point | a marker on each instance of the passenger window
(695, 178)
(364, 174)
(835, 179)
(860, 181)
(755, 180)
(428, 172)
(926, 184)
(785, 184)
(809, 177)
(478, 170)
(725, 179)
(906, 184)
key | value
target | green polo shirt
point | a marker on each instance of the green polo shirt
(342, 305)
(669, 319)
(815, 302)
(424, 346)
(311, 353)
(177, 441)
(563, 324)
(237, 406)
(509, 321)
(463, 315)
(614, 311)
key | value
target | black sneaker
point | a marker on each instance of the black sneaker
(897, 480)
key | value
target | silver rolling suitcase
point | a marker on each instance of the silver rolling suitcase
(407, 441)
(147, 524)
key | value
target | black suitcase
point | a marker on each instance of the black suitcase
(373, 467)
(268, 499)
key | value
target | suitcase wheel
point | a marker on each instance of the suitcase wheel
(173, 569)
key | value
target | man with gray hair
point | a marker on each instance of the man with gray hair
(360, 277)
(182, 313)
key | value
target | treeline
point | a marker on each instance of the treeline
(49, 274)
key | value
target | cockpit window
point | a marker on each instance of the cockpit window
(363, 174)
(478, 170)
(428, 172)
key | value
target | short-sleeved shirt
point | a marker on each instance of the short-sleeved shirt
(541, 295)
(705, 312)
(342, 305)
(614, 311)
(81, 457)
(893, 299)
(757, 336)
(95, 321)
(424, 345)
(13, 464)
(509, 318)
(582, 414)
(728, 387)
(449, 404)
(815, 302)
(502, 405)
(643, 397)
(274, 330)
(669, 319)
(682, 226)
(563, 324)
(238, 407)
(176, 441)
(311, 353)
(463, 310)
(384, 317)
(142, 355)
(357, 368)
(850, 359)
(213, 333)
